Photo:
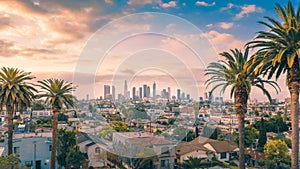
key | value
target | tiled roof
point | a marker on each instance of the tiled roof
(202, 140)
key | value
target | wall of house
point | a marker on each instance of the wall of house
(196, 153)
(36, 147)
(96, 159)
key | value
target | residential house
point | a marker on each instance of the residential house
(223, 150)
(184, 150)
(34, 149)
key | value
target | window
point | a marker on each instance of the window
(50, 147)
(97, 150)
(223, 155)
(164, 163)
(16, 150)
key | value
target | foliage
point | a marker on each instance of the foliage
(65, 143)
(276, 152)
(250, 135)
(262, 137)
(38, 106)
(11, 161)
(75, 158)
(136, 113)
(192, 163)
(275, 124)
(120, 126)
(106, 132)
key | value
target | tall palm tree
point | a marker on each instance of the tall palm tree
(57, 93)
(15, 89)
(279, 45)
(236, 71)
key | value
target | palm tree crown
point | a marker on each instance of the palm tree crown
(235, 71)
(57, 93)
(15, 91)
(280, 45)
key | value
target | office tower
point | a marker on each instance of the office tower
(106, 91)
(133, 93)
(169, 92)
(113, 92)
(182, 96)
(205, 96)
(178, 94)
(148, 91)
(164, 94)
(141, 92)
(125, 88)
(87, 97)
(201, 99)
(154, 90)
(145, 90)
(188, 96)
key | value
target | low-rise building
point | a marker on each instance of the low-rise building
(34, 149)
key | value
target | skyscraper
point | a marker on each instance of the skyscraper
(154, 90)
(145, 90)
(113, 92)
(106, 91)
(148, 91)
(169, 92)
(133, 93)
(178, 94)
(141, 92)
(125, 88)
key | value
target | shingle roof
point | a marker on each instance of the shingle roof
(223, 146)
(202, 140)
(186, 147)
(82, 137)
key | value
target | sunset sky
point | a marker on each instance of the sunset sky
(97, 42)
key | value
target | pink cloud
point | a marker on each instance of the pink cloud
(226, 25)
(246, 9)
(203, 3)
(169, 4)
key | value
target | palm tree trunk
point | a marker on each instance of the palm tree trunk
(293, 79)
(10, 116)
(54, 137)
(240, 103)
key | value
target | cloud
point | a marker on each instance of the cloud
(226, 25)
(229, 6)
(109, 1)
(203, 3)
(223, 41)
(169, 4)
(209, 25)
(142, 2)
(246, 9)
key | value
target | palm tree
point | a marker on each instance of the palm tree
(14, 90)
(57, 93)
(280, 47)
(192, 163)
(236, 71)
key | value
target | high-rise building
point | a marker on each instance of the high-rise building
(106, 91)
(169, 92)
(182, 96)
(205, 96)
(148, 91)
(188, 96)
(145, 90)
(210, 97)
(133, 93)
(164, 93)
(154, 90)
(125, 88)
(141, 92)
(178, 94)
(113, 92)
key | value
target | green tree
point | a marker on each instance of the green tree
(106, 132)
(120, 126)
(262, 137)
(279, 45)
(276, 152)
(11, 161)
(250, 135)
(38, 106)
(236, 71)
(75, 158)
(15, 90)
(57, 93)
(66, 141)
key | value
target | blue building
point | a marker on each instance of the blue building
(34, 149)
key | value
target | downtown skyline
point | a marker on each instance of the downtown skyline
(48, 38)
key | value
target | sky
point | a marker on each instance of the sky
(97, 42)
